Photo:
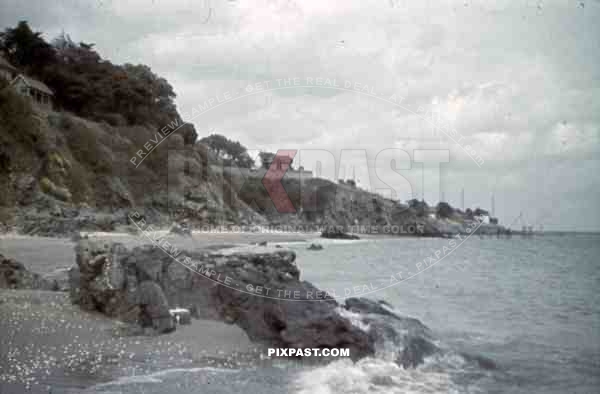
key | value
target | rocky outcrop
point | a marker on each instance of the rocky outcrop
(387, 330)
(181, 229)
(59, 220)
(314, 246)
(14, 275)
(257, 288)
(336, 232)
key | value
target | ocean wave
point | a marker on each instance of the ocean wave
(158, 377)
(354, 318)
(372, 376)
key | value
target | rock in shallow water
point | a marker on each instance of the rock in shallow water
(181, 229)
(154, 308)
(14, 275)
(337, 232)
(388, 329)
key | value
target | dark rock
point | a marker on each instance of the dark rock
(481, 361)
(75, 292)
(369, 307)
(181, 229)
(415, 351)
(154, 308)
(389, 330)
(153, 281)
(315, 247)
(147, 263)
(365, 305)
(58, 220)
(337, 232)
(14, 275)
(384, 380)
(99, 280)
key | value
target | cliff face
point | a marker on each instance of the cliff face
(60, 173)
(321, 203)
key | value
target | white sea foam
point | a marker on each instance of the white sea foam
(155, 377)
(96, 234)
(372, 376)
(354, 318)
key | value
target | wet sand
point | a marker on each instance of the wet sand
(49, 344)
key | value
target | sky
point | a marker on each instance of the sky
(504, 95)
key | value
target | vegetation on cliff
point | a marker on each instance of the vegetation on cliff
(92, 87)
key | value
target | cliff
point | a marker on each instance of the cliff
(62, 173)
(320, 204)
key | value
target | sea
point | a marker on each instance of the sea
(529, 304)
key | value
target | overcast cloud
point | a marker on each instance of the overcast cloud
(518, 80)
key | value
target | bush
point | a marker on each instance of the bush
(17, 120)
(78, 183)
(113, 119)
(50, 188)
(444, 210)
(85, 145)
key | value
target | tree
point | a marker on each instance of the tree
(230, 152)
(444, 210)
(26, 49)
(419, 206)
(480, 212)
(266, 158)
(216, 143)
(469, 213)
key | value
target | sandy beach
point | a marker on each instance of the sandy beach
(51, 346)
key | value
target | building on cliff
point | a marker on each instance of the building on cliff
(37, 91)
(7, 70)
(278, 168)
